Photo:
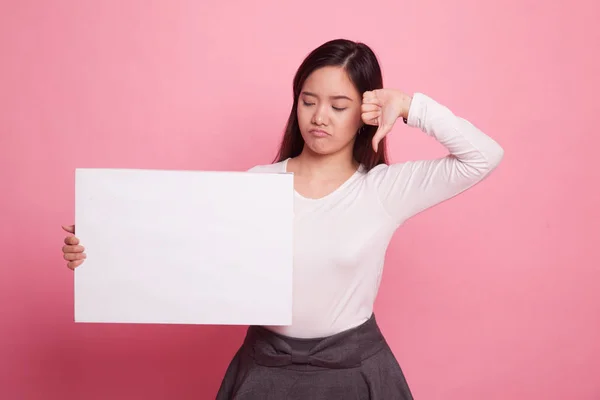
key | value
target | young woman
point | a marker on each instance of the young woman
(348, 204)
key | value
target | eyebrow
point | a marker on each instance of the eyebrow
(339, 97)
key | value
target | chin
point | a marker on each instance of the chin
(322, 150)
(319, 146)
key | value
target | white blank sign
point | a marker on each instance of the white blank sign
(184, 247)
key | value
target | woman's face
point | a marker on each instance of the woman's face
(329, 111)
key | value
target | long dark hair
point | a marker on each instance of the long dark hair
(364, 71)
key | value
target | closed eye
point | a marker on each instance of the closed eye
(306, 103)
(339, 109)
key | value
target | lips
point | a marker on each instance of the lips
(318, 133)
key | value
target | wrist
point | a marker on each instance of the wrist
(404, 102)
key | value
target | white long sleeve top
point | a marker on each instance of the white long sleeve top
(340, 240)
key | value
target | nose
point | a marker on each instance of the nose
(320, 115)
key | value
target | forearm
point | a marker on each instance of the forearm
(468, 144)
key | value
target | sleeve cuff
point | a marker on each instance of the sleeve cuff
(417, 111)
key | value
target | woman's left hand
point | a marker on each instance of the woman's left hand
(382, 107)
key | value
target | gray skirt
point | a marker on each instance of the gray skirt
(354, 364)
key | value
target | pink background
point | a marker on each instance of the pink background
(493, 295)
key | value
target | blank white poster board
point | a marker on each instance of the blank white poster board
(184, 247)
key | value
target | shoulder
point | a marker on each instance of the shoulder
(269, 168)
(377, 172)
(388, 174)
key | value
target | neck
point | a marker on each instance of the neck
(311, 163)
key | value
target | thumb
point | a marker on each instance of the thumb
(69, 228)
(380, 134)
